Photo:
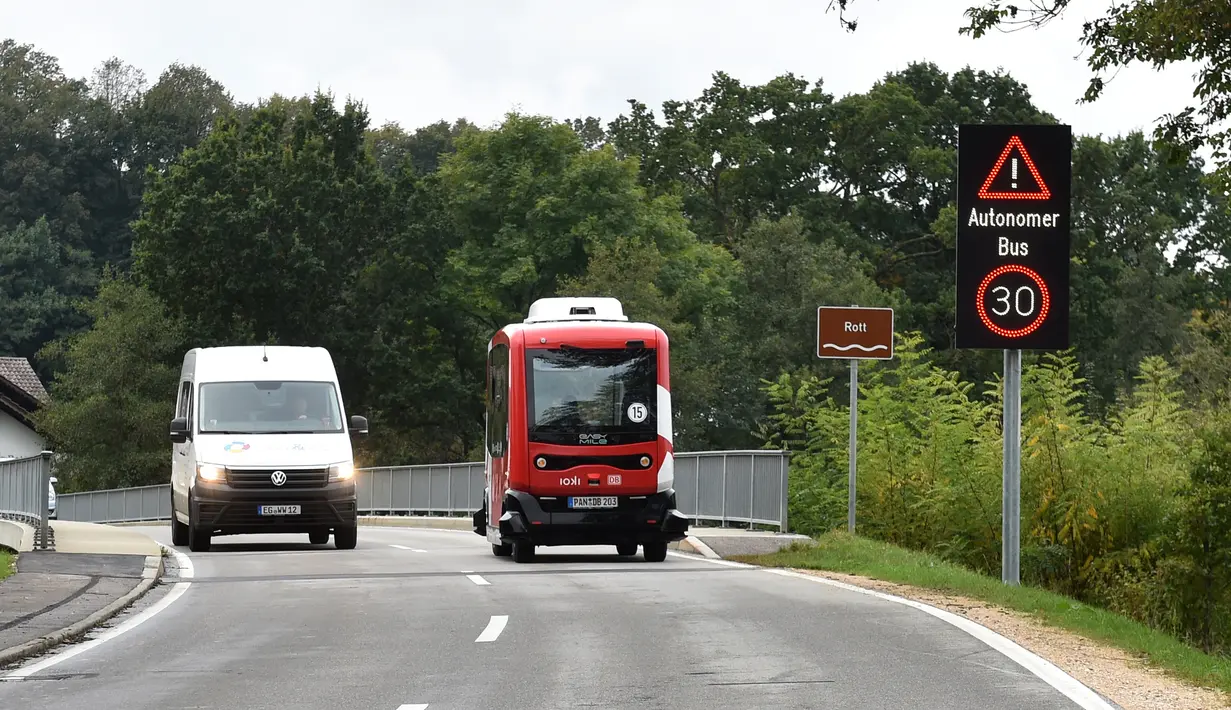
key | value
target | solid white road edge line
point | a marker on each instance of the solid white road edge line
(494, 627)
(185, 572)
(478, 580)
(724, 563)
(1069, 686)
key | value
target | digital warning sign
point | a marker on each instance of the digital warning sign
(1013, 185)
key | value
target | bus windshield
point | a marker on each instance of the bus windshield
(592, 396)
(271, 407)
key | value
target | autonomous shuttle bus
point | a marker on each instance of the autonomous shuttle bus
(579, 448)
(261, 444)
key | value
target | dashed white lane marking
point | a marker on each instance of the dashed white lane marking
(413, 707)
(478, 580)
(185, 572)
(1045, 670)
(494, 627)
(412, 549)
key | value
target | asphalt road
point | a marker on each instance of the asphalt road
(417, 619)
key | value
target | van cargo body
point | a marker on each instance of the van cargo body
(261, 444)
(579, 436)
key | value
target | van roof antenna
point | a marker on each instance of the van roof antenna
(264, 357)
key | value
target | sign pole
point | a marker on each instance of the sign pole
(1011, 514)
(854, 333)
(850, 494)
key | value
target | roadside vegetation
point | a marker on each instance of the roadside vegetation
(1130, 512)
(841, 552)
(7, 559)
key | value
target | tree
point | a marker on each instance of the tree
(1157, 32)
(175, 114)
(257, 233)
(47, 126)
(109, 408)
(422, 360)
(40, 280)
(1133, 209)
(733, 153)
(395, 149)
(118, 84)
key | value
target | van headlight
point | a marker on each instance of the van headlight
(210, 472)
(344, 471)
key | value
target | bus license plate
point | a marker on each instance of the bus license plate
(592, 502)
(279, 510)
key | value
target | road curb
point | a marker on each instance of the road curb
(682, 546)
(413, 521)
(701, 548)
(150, 576)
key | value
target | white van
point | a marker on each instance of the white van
(262, 444)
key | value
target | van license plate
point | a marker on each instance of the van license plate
(593, 502)
(279, 510)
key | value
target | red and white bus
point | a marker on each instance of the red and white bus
(579, 448)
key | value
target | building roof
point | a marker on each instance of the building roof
(18, 372)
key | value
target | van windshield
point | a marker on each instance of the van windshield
(269, 407)
(592, 396)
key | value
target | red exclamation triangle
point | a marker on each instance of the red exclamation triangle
(1042, 193)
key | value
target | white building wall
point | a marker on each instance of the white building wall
(16, 439)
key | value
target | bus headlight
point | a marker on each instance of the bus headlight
(344, 471)
(540, 462)
(645, 462)
(209, 472)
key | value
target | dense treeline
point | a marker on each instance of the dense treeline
(137, 221)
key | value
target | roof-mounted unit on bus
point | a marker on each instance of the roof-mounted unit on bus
(573, 309)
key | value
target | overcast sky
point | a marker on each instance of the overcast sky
(415, 62)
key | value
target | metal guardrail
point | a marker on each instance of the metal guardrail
(25, 494)
(725, 487)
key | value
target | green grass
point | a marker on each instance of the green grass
(841, 552)
(6, 562)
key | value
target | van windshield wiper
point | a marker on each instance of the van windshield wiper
(255, 433)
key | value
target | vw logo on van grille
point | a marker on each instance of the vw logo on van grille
(278, 477)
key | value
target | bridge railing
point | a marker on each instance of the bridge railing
(25, 493)
(725, 487)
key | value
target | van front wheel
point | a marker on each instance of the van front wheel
(179, 531)
(346, 537)
(198, 537)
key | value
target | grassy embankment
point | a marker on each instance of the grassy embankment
(840, 552)
(6, 562)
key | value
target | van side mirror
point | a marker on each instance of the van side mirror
(53, 480)
(179, 430)
(358, 424)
